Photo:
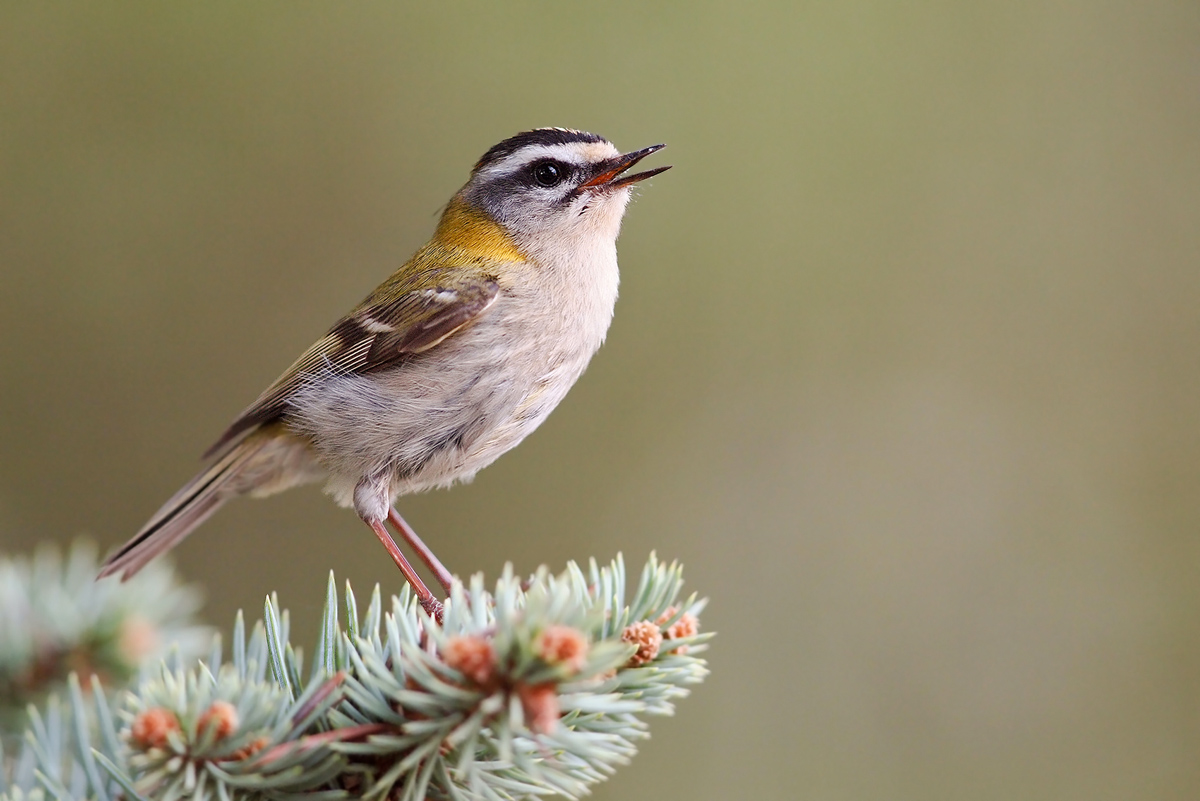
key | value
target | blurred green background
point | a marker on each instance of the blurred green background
(905, 369)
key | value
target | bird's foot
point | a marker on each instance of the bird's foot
(433, 607)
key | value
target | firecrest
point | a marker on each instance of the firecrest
(449, 363)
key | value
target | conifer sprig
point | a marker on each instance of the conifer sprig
(532, 689)
(55, 618)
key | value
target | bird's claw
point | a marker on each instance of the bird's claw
(434, 608)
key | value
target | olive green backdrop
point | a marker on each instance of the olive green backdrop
(906, 365)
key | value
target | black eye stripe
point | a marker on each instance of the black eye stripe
(500, 192)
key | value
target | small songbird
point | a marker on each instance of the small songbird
(449, 363)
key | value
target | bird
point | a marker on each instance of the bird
(449, 363)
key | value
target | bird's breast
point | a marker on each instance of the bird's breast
(446, 413)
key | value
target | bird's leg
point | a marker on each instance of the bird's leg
(421, 549)
(424, 597)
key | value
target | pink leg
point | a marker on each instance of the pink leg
(421, 549)
(424, 597)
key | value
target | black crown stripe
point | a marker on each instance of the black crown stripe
(538, 136)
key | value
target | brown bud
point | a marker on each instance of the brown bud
(540, 705)
(647, 637)
(562, 645)
(251, 749)
(152, 726)
(472, 656)
(686, 626)
(137, 638)
(222, 716)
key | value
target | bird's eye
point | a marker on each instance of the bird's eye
(548, 173)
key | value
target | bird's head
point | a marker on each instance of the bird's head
(555, 188)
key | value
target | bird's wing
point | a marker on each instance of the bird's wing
(384, 329)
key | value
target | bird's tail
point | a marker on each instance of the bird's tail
(186, 510)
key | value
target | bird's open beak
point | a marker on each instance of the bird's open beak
(610, 176)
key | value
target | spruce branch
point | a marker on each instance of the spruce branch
(55, 618)
(529, 690)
